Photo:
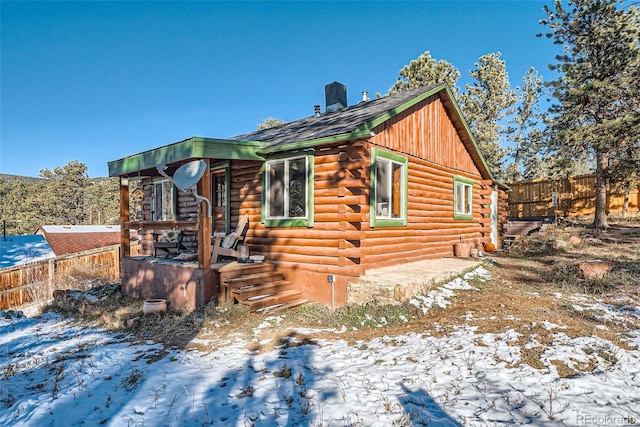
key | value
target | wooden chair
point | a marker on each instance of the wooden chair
(168, 241)
(226, 246)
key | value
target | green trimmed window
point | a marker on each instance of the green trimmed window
(288, 196)
(163, 206)
(462, 198)
(220, 191)
(389, 176)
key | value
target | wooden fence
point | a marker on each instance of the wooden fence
(34, 283)
(574, 196)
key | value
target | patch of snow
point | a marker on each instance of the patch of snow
(549, 326)
(54, 373)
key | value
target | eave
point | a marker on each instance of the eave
(192, 148)
(302, 145)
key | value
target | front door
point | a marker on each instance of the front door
(220, 201)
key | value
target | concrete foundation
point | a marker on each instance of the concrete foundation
(398, 283)
(183, 285)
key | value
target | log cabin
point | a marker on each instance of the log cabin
(383, 182)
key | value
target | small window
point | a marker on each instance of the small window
(388, 189)
(289, 192)
(220, 191)
(462, 198)
(162, 201)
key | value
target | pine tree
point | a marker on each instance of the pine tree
(527, 123)
(63, 198)
(598, 90)
(270, 122)
(485, 104)
(425, 71)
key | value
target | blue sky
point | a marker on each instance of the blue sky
(96, 81)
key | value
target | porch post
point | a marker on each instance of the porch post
(125, 240)
(204, 221)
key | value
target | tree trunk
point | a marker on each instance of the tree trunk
(625, 203)
(600, 219)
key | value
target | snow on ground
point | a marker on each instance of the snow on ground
(55, 373)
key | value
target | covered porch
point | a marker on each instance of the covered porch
(200, 215)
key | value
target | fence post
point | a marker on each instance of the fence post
(116, 254)
(51, 277)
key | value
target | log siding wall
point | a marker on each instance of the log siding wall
(341, 240)
(431, 230)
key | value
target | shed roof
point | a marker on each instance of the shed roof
(66, 239)
(348, 123)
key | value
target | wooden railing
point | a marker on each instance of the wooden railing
(34, 283)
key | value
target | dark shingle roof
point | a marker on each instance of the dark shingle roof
(339, 122)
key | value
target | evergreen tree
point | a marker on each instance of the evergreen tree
(102, 201)
(528, 159)
(485, 104)
(270, 122)
(64, 194)
(425, 71)
(598, 90)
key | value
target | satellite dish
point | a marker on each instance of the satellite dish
(186, 178)
(189, 174)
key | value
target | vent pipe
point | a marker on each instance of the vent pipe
(316, 111)
(365, 96)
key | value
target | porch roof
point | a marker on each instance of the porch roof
(144, 164)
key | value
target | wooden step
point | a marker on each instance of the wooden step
(269, 288)
(238, 269)
(252, 279)
(280, 298)
(287, 306)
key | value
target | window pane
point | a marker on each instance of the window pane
(156, 209)
(467, 199)
(220, 191)
(297, 188)
(382, 188)
(396, 188)
(167, 201)
(459, 197)
(463, 197)
(276, 189)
